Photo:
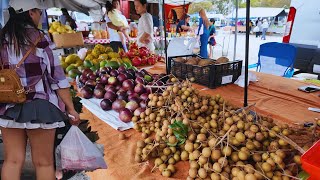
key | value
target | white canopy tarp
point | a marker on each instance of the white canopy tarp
(257, 13)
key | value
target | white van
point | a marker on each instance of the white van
(302, 31)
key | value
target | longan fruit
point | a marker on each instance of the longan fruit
(297, 159)
(206, 152)
(166, 173)
(202, 173)
(266, 167)
(234, 171)
(215, 154)
(158, 162)
(281, 153)
(257, 157)
(201, 137)
(171, 168)
(212, 142)
(250, 177)
(162, 167)
(215, 176)
(188, 147)
(137, 159)
(227, 150)
(193, 172)
(235, 157)
(203, 160)
(172, 161)
(216, 167)
(184, 155)
(141, 144)
(172, 139)
(240, 137)
(196, 154)
(243, 155)
(167, 151)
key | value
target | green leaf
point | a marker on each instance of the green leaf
(172, 145)
(303, 175)
(182, 142)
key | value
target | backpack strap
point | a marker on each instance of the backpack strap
(29, 51)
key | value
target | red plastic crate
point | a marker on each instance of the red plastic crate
(311, 161)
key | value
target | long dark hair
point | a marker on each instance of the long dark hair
(15, 30)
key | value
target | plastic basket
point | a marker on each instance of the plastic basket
(212, 76)
(311, 161)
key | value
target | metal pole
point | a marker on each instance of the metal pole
(236, 32)
(168, 64)
(247, 54)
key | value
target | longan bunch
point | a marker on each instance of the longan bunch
(222, 143)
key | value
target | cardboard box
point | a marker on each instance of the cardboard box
(68, 40)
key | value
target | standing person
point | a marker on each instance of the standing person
(212, 41)
(114, 36)
(250, 26)
(46, 88)
(203, 31)
(145, 25)
(65, 18)
(115, 16)
(259, 25)
(265, 27)
(183, 25)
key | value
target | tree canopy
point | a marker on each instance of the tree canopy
(196, 7)
(226, 6)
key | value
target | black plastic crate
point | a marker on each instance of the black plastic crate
(212, 76)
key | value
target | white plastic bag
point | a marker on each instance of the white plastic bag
(77, 152)
(82, 53)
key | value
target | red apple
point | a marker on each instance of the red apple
(144, 60)
(136, 61)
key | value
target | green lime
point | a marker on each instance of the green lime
(73, 73)
(87, 64)
(103, 63)
(70, 67)
(93, 68)
(127, 64)
(81, 68)
(113, 64)
(148, 78)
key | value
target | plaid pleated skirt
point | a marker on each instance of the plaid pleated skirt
(35, 114)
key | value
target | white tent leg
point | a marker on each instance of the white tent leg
(236, 32)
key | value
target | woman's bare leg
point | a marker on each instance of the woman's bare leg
(15, 141)
(42, 149)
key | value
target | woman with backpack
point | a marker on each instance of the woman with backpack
(45, 94)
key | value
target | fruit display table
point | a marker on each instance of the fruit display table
(96, 41)
(276, 97)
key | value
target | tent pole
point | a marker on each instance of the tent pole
(247, 54)
(168, 64)
(236, 32)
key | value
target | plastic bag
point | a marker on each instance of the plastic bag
(82, 53)
(76, 152)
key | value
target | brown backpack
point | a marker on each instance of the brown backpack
(11, 89)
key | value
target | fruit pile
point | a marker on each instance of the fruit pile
(71, 64)
(123, 90)
(219, 141)
(58, 28)
(140, 56)
(101, 56)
